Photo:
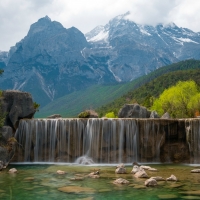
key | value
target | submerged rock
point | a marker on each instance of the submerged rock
(121, 181)
(60, 172)
(77, 189)
(120, 169)
(158, 178)
(150, 182)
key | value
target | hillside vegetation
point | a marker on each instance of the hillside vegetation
(108, 98)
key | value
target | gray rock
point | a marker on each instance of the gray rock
(120, 169)
(135, 169)
(166, 116)
(172, 178)
(141, 174)
(54, 116)
(18, 105)
(121, 181)
(150, 182)
(154, 114)
(7, 132)
(158, 178)
(133, 111)
(195, 171)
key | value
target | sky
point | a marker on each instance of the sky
(16, 16)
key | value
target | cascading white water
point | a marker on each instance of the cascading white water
(108, 140)
(64, 140)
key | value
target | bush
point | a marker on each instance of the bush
(84, 114)
(110, 115)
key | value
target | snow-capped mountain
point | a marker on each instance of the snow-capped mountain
(52, 61)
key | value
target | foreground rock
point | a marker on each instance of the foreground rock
(12, 170)
(135, 169)
(150, 182)
(133, 111)
(94, 174)
(120, 169)
(60, 172)
(172, 178)
(195, 171)
(141, 173)
(18, 105)
(121, 181)
(158, 178)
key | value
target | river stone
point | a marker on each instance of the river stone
(150, 182)
(195, 171)
(60, 172)
(133, 111)
(141, 174)
(135, 169)
(172, 178)
(145, 167)
(158, 178)
(121, 181)
(77, 189)
(167, 196)
(152, 170)
(191, 197)
(12, 170)
(120, 169)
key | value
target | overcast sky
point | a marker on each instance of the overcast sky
(16, 16)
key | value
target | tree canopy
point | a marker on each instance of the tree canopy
(180, 101)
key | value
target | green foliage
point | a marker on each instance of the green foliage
(179, 101)
(1, 71)
(111, 115)
(84, 114)
(36, 106)
(146, 94)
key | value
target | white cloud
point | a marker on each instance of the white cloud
(17, 16)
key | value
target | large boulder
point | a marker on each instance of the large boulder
(133, 111)
(17, 105)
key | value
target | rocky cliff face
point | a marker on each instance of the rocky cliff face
(52, 61)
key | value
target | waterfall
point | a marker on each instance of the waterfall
(108, 140)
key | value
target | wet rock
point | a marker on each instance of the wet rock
(195, 171)
(77, 189)
(158, 178)
(167, 196)
(145, 167)
(121, 181)
(141, 174)
(172, 178)
(135, 169)
(60, 172)
(94, 174)
(152, 170)
(120, 169)
(12, 170)
(150, 182)
(76, 179)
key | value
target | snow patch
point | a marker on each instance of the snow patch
(102, 35)
(143, 31)
(187, 40)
